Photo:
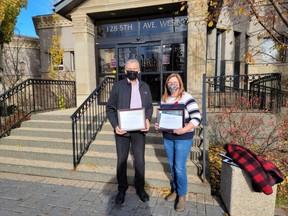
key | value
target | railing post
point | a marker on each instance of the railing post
(75, 96)
(74, 144)
(33, 95)
(204, 123)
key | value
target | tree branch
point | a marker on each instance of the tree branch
(275, 37)
(280, 12)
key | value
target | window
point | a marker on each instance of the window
(72, 61)
(272, 52)
(107, 61)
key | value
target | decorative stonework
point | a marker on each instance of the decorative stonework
(83, 24)
(45, 22)
(60, 23)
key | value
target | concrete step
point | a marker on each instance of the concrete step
(101, 156)
(43, 146)
(43, 142)
(93, 173)
(25, 142)
(47, 124)
(42, 132)
(50, 116)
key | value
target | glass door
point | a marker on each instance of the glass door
(149, 57)
(124, 53)
(151, 68)
(157, 60)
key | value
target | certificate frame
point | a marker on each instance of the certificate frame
(131, 119)
(170, 119)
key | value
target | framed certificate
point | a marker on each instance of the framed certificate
(170, 119)
(131, 119)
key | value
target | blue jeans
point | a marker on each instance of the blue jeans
(177, 152)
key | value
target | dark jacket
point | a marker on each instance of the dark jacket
(264, 174)
(120, 97)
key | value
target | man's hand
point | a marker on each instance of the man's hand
(147, 122)
(119, 132)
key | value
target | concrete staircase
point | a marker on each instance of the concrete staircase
(43, 146)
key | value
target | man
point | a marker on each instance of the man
(130, 93)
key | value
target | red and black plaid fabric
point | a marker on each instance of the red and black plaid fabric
(264, 174)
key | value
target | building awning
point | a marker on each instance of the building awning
(64, 7)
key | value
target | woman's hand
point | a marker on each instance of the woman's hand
(180, 131)
(156, 125)
(119, 132)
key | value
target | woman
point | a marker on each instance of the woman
(178, 142)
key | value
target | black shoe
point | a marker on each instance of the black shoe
(120, 197)
(144, 197)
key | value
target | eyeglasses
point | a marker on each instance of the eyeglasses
(173, 83)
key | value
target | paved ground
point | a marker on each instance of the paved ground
(36, 195)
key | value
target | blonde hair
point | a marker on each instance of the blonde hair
(167, 92)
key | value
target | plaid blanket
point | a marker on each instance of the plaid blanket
(264, 174)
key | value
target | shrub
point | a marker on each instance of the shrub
(263, 132)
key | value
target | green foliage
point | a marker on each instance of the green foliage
(61, 103)
(215, 167)
(9, 10)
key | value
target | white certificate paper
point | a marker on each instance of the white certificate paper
(131, 119)
(170, 119)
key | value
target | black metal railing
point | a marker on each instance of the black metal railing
(254, 92)
(205, 147)
(89, 118)
(34, 95)
(284, 99)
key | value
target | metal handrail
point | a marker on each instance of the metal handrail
(204, 123)
(226, 91)
(221, 91)
(284, 98)
(89, 118)
(34, 95)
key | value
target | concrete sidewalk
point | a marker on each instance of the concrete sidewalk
(36, 195)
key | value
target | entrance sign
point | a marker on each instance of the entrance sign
(166, 59)
(170, 119)
(131, 119)
(145, 27)
(112, 63)
(163, 25)
(116, 30)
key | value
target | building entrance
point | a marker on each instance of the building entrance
(149, 56)
(159, 55)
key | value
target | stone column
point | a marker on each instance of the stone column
(211, 52)
(196, 56)
(229, 52)
(84, 48)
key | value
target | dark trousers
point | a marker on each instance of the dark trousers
(137, 142)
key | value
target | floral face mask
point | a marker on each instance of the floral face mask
(173, 87)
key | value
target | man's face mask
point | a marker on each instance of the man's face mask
(131, 75)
